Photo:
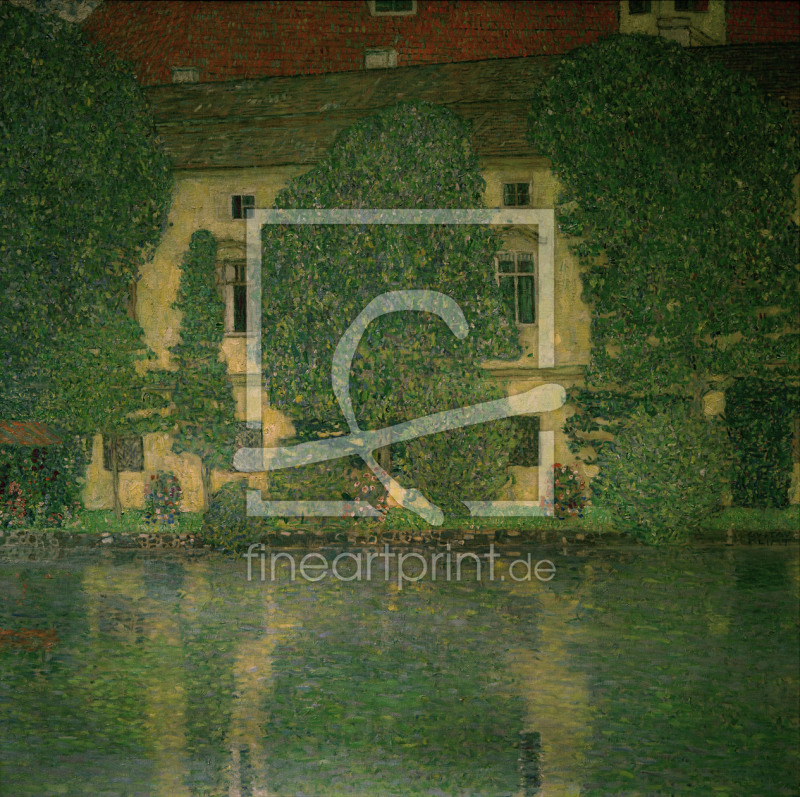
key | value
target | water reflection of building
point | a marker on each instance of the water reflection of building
(129, 620)
(559, 716)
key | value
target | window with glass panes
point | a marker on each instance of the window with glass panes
(516, 195)
(240, 204)
(238, 297)
(392, 7)
(515, 274)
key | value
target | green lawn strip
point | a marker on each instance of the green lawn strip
(595, 523)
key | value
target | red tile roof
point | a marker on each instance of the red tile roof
(762, 21)
(27, 433)
(241, 41)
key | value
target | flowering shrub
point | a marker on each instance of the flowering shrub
(568, 487)
(37, 485)
(12, 506)
(368, 490)
(162, 499)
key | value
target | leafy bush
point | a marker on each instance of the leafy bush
(321, 481)
(568, 496)
(759, 413)
(664, 474)
(38, 486)
(162, 499)
(459, 465)
(226, 525)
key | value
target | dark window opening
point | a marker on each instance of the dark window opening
(240, 298)
(639, 7)
(394, 6)
(526, 451)
(516, 194)
(240, 204)
(130, 452)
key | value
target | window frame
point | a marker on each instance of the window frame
(235, 277)
(244, 205)
(692, 7)
(647, 8)
(373, 10)
(533, 272)
(517, 184)
(122, 441)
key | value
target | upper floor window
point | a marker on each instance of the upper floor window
(392, 8)
(692, 6)
(515, 274)
(240, 204)
(516, 195)
(638, 6)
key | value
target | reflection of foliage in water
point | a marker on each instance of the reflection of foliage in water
(409, 695)
(708, 704)
(66, 696)
(688, 660)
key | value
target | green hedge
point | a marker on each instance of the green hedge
(665, 474)
(760, 415)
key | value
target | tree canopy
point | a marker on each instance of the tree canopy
(677, 179)
(84, 190)
(317, 279)
(201, 391)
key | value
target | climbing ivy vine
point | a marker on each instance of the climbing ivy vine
(317, 279)
(677, 195)
(202, 394)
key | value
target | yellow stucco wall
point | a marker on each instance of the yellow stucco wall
(687, 27)
(201, 200)
(158, 456)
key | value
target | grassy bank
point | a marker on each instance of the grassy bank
(594, 523)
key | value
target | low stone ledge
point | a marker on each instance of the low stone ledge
(20, 544)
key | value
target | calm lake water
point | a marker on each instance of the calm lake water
(632, 671)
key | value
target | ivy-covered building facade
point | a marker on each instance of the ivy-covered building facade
(238, 130)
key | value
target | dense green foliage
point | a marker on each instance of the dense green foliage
(226, 524)
(760, 414)
(83, 195)
(92, 382)
(202, 392)
(38, 486)
(318, 279)
(678, 181)
(664, 474)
